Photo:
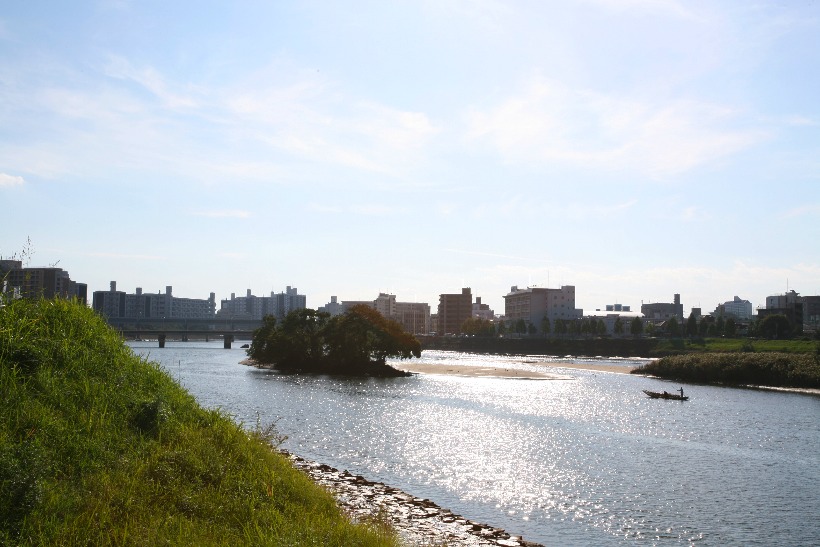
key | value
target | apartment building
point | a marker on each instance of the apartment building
(534, 303)
(737, 308)
(257, 307)
(40, 282)
(659, 312)
(802, 311)
(453, 310)
(114, 304)
(333, 308)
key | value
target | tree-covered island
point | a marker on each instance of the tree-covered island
(356, 343)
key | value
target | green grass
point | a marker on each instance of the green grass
(761, 369)
(670, 346)
(100, 447)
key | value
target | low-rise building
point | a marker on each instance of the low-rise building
(811, 313)
(533, 304)
(658, 312)
(789, 304)
(482, 311)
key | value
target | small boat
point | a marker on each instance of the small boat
(666, 395)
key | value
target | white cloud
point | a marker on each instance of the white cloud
(803, 210)
(305, 114)
(150, 79)
(549, 122)
(10, 180)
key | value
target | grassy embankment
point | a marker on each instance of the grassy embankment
(98, 447)
(774, 369)
(674, 346)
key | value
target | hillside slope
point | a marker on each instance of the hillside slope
(98, 446)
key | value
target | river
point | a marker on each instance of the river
(583, 460)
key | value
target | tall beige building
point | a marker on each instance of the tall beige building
(534, 303)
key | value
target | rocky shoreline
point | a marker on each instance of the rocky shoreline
(417, 521)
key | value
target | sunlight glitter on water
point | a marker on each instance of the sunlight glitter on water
(585, 461)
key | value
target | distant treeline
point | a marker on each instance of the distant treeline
(612, 347)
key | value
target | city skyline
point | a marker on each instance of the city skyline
(632, 148)
(774, 300)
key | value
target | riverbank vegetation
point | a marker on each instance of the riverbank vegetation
(100, 447)
(771, 369)
(626, 346)
(357, 342)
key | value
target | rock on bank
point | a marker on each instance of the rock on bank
(418, 521)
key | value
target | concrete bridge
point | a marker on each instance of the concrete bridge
(186, 329)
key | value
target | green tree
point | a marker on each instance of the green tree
(636, 327)
(692, 325)
(531, 329)
(545, 325)
(520, 326)
(720, 325)
(703, 326)
(731, 327)
(618, 328)
(601, 327)
(673, 327)
(362, 336)
(477, 326)
(775, 326)
(295, 343)
(356, 342)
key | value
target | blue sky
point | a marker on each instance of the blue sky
(632, 148)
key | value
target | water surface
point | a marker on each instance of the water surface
(588, 459)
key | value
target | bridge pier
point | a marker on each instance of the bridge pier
(161, 340)
(227, 341)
